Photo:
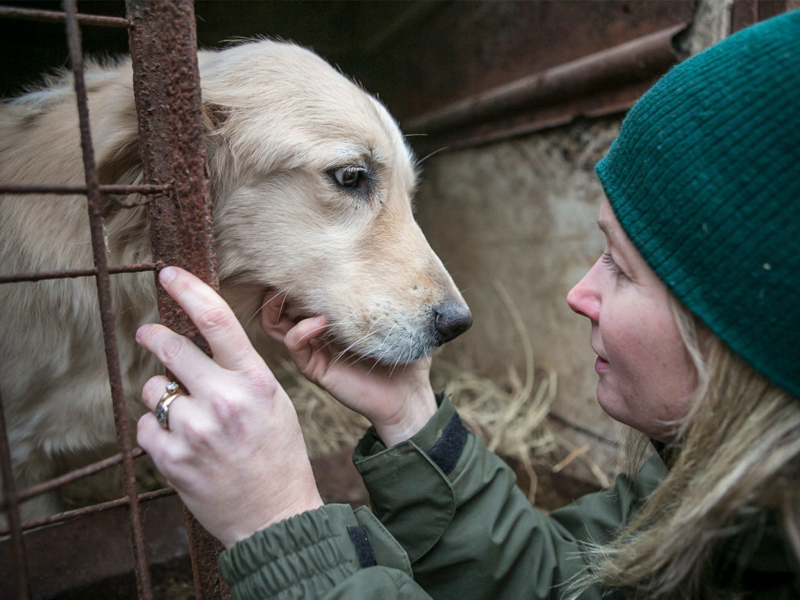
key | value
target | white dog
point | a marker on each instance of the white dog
(311, 182)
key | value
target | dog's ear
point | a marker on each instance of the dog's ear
(214, 116)
(122, 166)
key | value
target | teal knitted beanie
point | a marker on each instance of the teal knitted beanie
(705, 180)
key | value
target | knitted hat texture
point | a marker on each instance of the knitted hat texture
(705, 180)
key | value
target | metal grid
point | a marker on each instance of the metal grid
(163, 45)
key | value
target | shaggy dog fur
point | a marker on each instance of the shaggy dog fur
(311, 182)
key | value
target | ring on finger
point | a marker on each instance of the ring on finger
(173, 390)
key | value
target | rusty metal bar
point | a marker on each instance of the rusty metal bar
(11, 503)
(72, 476)
(66, 190)
(29, 14)
(163, 46)
(608, 69)
(106, 306)
(67, 274)
(93, 509)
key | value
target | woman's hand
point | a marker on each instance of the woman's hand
(397, 400)
(234, 450)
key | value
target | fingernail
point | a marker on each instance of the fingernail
(140, 332)
(168, 274)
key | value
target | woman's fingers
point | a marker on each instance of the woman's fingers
(274, 321)
(300, 336)
(299, 342)
(178, 354)
(149, 436)
(212, 316)
(297, 337)
(153, 390)
(178, 409)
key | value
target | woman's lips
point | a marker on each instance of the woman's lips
(601, 366)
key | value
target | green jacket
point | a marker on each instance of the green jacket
(448, 522)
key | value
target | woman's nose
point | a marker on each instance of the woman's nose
(584, 298)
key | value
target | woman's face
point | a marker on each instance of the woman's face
(646, 374)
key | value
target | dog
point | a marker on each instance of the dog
(311, 183)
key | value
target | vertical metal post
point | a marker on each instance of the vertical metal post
(104, 297)
(19, 562)
(166, 82)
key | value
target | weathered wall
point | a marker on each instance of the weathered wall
(523, 212)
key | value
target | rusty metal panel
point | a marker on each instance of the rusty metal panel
(468, 48)
(750, 12)
(163, 48)
(513, 67)
(600, 83)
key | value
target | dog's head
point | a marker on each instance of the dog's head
(312, 183)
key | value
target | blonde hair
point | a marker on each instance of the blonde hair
(738, 457)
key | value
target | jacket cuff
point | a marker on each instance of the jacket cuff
(425, 439)
(410, 484)
(298, 558)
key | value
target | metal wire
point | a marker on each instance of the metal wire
(72, 476)
(106, 306)
(93, 509)
(19, 562)
(53, 16)
(82, 189)
(71, 273)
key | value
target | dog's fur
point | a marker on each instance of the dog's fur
(282, 125)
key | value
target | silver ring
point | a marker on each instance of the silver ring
(173, 390)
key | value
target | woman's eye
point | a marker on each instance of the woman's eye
(349, 177)
(608, 260)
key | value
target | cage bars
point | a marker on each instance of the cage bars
(95, 204)
(53, 16)
(166, 85)
(19, 569)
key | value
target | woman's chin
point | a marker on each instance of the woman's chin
(609, 400)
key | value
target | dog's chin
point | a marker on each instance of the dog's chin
(396, 352)
(342, 351)
(387, 348)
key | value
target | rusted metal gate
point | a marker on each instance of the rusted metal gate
(163, 45)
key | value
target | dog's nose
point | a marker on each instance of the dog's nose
(452, 318)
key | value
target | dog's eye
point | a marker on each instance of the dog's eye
(350, 177)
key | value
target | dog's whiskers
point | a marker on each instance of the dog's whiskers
(358, 341)
(434, 153)
(260, 308)
(385, 352)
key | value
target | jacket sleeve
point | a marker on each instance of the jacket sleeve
(467, 529)
(447, 521)
(333, 553)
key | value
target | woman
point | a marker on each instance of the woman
(694, 319)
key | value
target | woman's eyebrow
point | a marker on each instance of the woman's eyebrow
(604, 226)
